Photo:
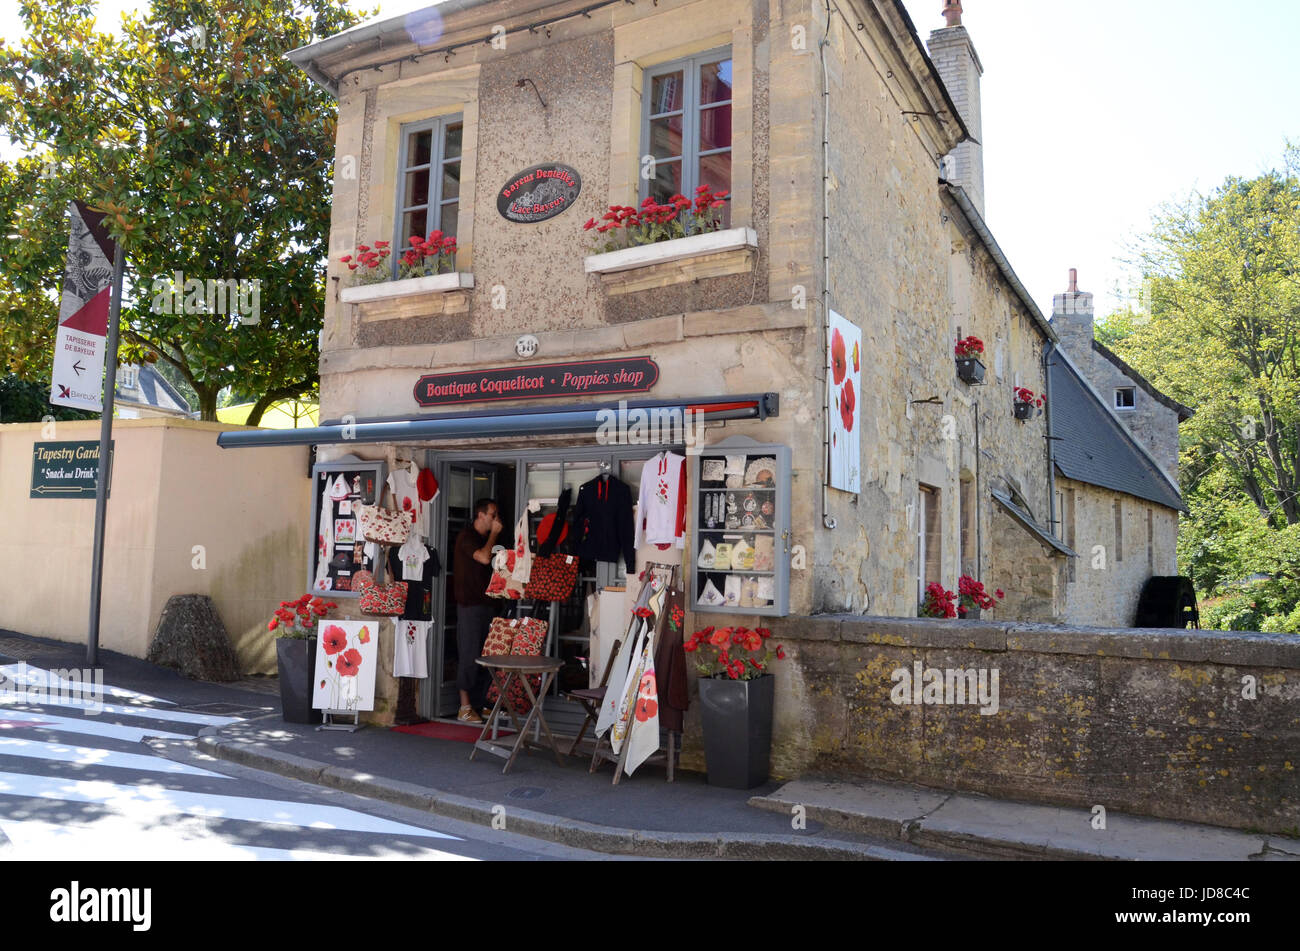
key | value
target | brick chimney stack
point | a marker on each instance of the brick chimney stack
(959, 66)
(1072, 315)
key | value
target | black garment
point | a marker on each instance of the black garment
(472, 625)
(469, 577)
(603, 521)
(547, 548)
(419, 594)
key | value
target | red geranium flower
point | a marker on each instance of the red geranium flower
(334, 639)
(780, 652)
(349, 662)
(848, 402)
(839, 367)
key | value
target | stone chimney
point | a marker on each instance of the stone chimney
(1072, 315)
(959, 66)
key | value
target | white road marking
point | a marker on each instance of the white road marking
(92, 756)
(114, 838)
(92, 727)
(113, 709)
(150, 804)
(26, 673)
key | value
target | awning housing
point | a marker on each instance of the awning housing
(520, 421)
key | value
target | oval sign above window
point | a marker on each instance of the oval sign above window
(539, 193)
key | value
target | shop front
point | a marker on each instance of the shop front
(726, 533)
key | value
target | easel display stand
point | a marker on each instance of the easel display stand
(330, 724)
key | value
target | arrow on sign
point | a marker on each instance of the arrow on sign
(77, 367)
(60, 488)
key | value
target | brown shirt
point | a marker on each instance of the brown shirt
(469, 577)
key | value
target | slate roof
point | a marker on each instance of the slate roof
(1092, 446)
(153, 390)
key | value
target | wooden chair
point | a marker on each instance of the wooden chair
(592, 697)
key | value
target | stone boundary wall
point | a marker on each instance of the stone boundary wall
(1154, 722)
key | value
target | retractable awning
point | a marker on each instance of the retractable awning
(521, 421)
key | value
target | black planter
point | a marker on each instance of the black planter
(1024, 411)
(737, 717)
(296, 660)
(970, 370)
(972, 614)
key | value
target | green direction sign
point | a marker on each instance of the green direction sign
(67, 470)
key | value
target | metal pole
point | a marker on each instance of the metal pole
(105, 440)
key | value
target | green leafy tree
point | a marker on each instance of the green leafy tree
(211, 154)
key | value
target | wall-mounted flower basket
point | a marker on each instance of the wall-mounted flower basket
(1027, 403)
(970, 371)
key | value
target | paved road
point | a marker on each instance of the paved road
(127, 783)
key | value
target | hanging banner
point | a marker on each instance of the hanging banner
(79, 344)
(844, 380)
(588, 378)
(539, 193)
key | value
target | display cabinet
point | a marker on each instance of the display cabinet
(740, 545)
(339, 551)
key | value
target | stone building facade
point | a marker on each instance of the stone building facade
(843, 197)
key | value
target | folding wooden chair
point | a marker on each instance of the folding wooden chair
(592, 697)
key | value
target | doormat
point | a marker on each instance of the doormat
(460, 732)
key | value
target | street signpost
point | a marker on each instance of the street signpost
(65, 470)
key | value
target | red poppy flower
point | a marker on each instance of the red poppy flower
(646, 708)
(721, 638)
(349, 662)
(999, 594)
(780, 652)
(848, 402)
(334, 638)
(644, 612)
(690, 646)
(364, 635)
(838, 365)
(346, 258)
(591, 223)
(273, 625)
(322, 683)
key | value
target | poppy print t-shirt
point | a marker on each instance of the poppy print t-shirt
(406, 498)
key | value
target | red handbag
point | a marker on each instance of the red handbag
(379, 600)
(553, 577)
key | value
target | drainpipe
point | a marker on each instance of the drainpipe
(1048, 353)
(827, 519)
(979, 496)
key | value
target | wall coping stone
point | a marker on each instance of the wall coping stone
(1232, 648)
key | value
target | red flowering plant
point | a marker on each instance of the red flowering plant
(972, 348)
(1026, 395)
(428, 256)
(369, 265)
(939, 602)
(298, 618)
(733, 653)
(971, 594)
(625, 226)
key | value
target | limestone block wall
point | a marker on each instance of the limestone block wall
(1191, 725)
(1030, 575)
(1111, 569)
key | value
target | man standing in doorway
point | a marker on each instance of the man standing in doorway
(471, 573)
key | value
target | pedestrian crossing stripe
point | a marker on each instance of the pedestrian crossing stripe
(151, 804)
(92, 756)
(90, 726)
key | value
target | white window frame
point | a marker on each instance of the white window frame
(1125, 389)
(437, 160)
(690, 67)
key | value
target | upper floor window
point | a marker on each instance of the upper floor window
(1125, 397)
(428, 178)
(128, 376)
(686, 127)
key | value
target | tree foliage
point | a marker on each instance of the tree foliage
(1222, 335)
(211, 155)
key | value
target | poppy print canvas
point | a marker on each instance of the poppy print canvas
(347, 655)
(844, 380)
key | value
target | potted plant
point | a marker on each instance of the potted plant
(972, 598)
(970, 369)
(1027, 401)
(939, 602)
(295, 654)
(736, 698)
(369, 265)
(653, 222)
(427, 256)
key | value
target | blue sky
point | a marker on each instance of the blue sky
(1096, 112)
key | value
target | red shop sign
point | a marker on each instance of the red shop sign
(586, 378)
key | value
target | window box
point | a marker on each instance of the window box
(970, 370)
(386, 290)
(697, 246)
